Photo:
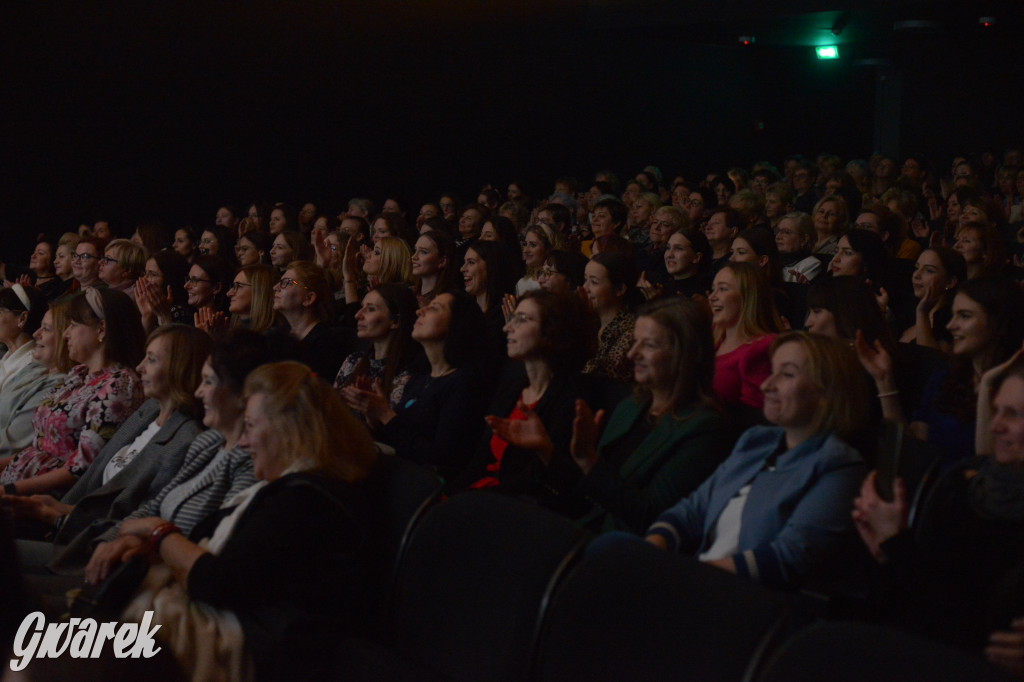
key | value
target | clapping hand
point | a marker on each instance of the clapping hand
(526, 433)
(585, 429)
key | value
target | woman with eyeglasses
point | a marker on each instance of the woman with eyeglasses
(85, 264)
(251, 298)
(122, 264)
(302, 297)
(549, 337)
(206, 287)
(252, 249)
(562, 272)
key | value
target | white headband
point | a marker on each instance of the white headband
(19, 291)
(92, 297)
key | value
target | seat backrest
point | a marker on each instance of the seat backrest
(473, 580)
(629, 611)
(852, 652)
(403, 490)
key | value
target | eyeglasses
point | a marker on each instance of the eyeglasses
(548, 272)
(108, 260)
(83, 256)
(235, 286)
(193, 281)
(286, 282)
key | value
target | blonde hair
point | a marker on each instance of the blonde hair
(758, 315)
(188, 350)
(395, 261)
(60, 312)
(309, 419)
(262, 279)
(130, 256)
(835, 371)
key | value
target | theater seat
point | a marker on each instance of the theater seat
(471, 585)
(629, 611)
(854, 652)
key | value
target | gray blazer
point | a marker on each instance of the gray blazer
(100, 506)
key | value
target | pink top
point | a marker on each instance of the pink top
(740, 373)
(75, 421)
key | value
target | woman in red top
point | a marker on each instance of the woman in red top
(549, 336)
(745, 322)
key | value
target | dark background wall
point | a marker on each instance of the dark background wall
(171, 111)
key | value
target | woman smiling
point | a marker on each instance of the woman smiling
(75, 421)
(777, 510)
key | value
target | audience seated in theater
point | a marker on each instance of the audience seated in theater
(539, 241)
(289, 246)
(938, 272)
(135, 464)
(36, 361)
(794, 238)
(659, 444)
(721, 228)
(745, 322)
(687, 261)
(488, 275)
(777, 510)
(160, 293)
(549, 338)
(384, 323)
(563, 272)
(303, 299)
(986, 328)
(215, 468)
(251, 298)
(831, 220)
(956, 575)
(85, 264)
(307, 510)
(982, 247)
(77, 418)
(437, 422)
(432, 269)
(207, 288)
(609, 283)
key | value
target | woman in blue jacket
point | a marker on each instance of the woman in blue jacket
(778, 509)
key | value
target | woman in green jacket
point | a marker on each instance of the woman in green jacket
(659, 444)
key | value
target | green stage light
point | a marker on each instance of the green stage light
(828, 52)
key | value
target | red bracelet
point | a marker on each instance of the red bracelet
(158, 535)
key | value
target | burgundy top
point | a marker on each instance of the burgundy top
(740, 373)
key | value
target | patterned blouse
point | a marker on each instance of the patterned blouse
(75, 420)
(375, 371)
(613, 345)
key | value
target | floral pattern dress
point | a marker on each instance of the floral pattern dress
(75, 421)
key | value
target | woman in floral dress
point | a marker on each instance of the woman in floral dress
(74, 422)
